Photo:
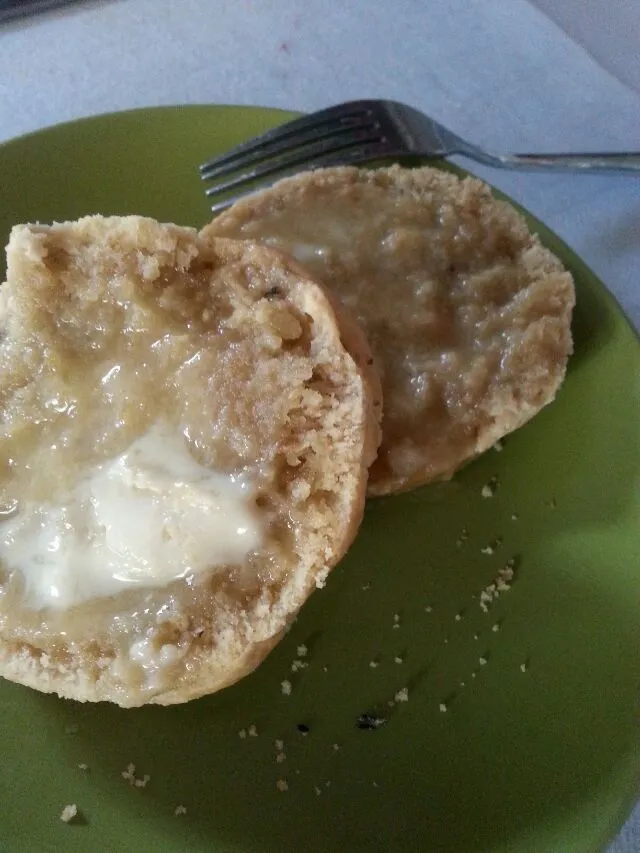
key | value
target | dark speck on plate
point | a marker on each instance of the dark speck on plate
(370, 721)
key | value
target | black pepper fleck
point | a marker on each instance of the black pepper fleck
(303, 729)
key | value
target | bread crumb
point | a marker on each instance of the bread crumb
(489, 489)
(396, 620)
(514, 516)
(366, 586)
(398, 659)
(495, 628)
(402, 695)
(498, 446)
(282, 785)
(428, 609)
(286, 687)
(180, 810)
(279, 744)
(242, 733)
(370, 721)
(374, 663)
(486, 596)
(443, 708)
(501, 583)
(129, 774)
(68, 813)
(83, 766)
(458, 617)
(482, 661)
(302, 650)
(298, 664)
(524, 666)
(336, 746)
(505, 576)
(280, 757)
(488, 549)
(253, 731)
(318, 791)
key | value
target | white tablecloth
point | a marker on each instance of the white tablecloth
(496, 71)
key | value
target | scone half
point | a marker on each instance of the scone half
(187, 426)
(467, 313)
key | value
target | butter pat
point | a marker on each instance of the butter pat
(147, 517)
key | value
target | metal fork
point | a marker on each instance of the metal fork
(360, 132)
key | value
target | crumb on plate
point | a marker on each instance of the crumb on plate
(69, 813)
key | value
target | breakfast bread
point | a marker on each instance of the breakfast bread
(467, 314)
(187, 424)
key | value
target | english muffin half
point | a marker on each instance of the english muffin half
(186, 432)
(467, 314)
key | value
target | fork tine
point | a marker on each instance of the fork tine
(282, 145)
(350, 111)
(295, 157)
(362, 154)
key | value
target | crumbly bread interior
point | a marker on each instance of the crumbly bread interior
(467, 314)
(112, 325)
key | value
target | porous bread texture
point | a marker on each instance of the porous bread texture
(242, 351)
(467, 313)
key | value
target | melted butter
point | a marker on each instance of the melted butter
(305, 252)
(147, 517)
(155, 663)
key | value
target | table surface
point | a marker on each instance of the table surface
(499, 72)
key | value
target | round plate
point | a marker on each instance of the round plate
(520, 732)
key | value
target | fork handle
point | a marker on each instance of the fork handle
(624, 161)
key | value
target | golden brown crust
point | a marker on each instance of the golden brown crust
(287, 384)
(467, 314)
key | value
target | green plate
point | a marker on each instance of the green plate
(538, 750)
